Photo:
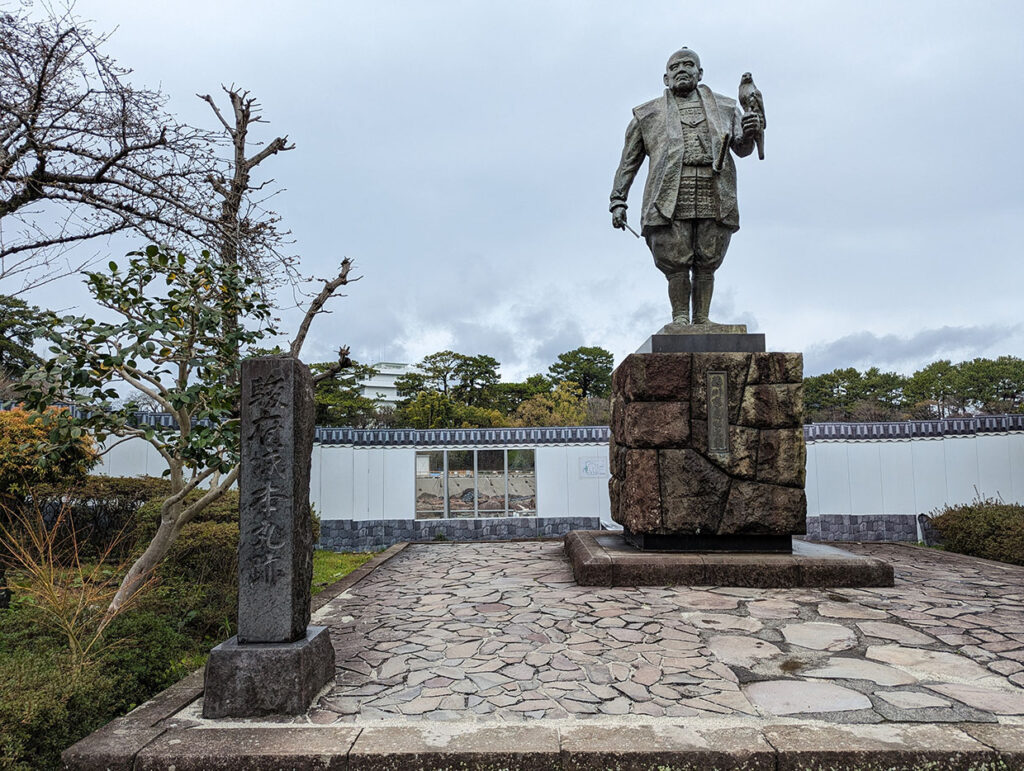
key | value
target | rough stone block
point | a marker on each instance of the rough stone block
(749, 482)
(776, 367)
(645, 378)
(735, 365)
(656, 424)
(782, 457)
(772, 405)
(244, 680)
(275, 551)
(762, 508)
(639, 494)
(618, 424)
(741, 460)
(693, 493)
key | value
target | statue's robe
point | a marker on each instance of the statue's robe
(655, 131)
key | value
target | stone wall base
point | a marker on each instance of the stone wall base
(862, 527)
(346, 535)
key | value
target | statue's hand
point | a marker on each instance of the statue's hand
(751, 124)
(619, 217)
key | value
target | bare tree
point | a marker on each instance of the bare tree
(244, 231)
(84, 153)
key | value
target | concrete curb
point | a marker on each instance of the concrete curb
(966, 747)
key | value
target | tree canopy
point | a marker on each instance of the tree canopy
(940, 389)
(590, 368)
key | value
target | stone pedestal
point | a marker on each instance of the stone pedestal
(707, 450)
(251, 679)
(277, 663)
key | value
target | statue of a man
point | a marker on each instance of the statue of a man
(689, 207)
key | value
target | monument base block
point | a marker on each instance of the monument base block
(735, 340)
(688, 542)
(246, 680)
(603, 558)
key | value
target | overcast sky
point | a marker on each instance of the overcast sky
(462, 154)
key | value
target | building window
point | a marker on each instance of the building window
(475, 483)
(429, 485)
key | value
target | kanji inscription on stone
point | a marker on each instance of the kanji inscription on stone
(718, 412)
(275, 552)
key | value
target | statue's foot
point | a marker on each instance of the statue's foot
(675, 327)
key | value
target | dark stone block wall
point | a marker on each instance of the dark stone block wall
(370, 535)
(688, 457)
(862, 527)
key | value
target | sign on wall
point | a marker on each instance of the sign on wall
(594, 467)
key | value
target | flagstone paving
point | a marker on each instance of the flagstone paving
(500, 632)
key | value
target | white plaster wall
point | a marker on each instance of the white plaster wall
(898, 477)
(133, 458)
(572, 481)
(914, 476)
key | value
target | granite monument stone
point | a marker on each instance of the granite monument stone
(277, 662)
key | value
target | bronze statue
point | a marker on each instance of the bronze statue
(689, 206)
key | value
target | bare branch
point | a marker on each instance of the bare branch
(317, 306)
(335, 367)
(83, 153)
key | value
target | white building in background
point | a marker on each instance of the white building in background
(381, 387)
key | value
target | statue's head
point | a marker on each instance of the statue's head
(683, 71)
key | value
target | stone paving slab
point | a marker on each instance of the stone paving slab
(489, 655)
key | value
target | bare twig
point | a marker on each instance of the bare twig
(335, 367)
(317, 306)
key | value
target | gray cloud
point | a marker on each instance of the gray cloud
(865, 349)
(463, 153)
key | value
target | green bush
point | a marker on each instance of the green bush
(101, 509)
(986, 528)
(148, 655)
(205, 552)
(44, 710)
(223, 510)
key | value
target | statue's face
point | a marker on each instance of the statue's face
(683, 72)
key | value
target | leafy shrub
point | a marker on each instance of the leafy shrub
(224, 509)
(198, 580)
(101, 509)
(205, 552)
(985, 528)
(44, 709)
(147, 654)
(24, 461)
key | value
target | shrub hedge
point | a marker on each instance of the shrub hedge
(986, 528)
(101, 509)
(193, 606)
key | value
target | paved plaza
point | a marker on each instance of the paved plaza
(500, 631)
(488, 655)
